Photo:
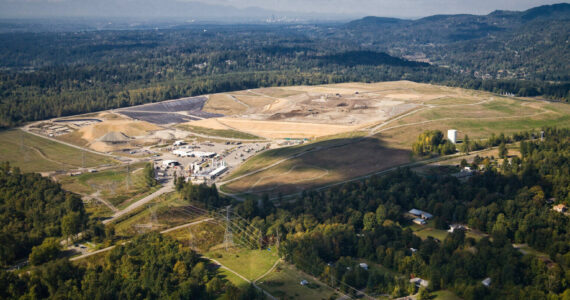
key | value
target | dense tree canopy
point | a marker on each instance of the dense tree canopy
(32, 208)
(150, 267)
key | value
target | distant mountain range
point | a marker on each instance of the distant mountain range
(531, 44)
(446, 28)
(152, 10)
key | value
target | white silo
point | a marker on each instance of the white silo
(452, 135)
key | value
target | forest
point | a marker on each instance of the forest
(51, 74)
(326, 232)
(150, 267)
(33, 209)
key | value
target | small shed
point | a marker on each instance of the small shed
(364, 266)
(304, 282)
(486, 282)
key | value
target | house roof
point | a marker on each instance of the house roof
(416, 212)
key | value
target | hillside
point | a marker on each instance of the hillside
(52, 74)
(531, 44)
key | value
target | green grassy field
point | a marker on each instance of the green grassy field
(223, 133)
(233, 278)
(436, 233)
(272, 156)
(284, 283)
(143, 216)
(34, 154)
(423, 231)
(110, 184)
(445, 295)
(249, 263)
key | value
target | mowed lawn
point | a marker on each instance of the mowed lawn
(249, 263)
(34, 154)
(444, 295)
(284, 283)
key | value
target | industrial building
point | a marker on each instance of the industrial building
(191, 153)
(197, 172)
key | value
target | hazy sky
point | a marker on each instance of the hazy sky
(195, 9)
(406, 8)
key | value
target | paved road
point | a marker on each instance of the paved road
(168, 187)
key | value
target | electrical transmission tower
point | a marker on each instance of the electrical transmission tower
(128, 175)
(153, 218)
(228, 238)
(191, 238)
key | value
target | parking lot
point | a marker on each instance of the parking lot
(231, 153)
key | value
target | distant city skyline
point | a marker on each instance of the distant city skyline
(388, 8)
(225, 10)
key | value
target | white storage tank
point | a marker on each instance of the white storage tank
(452, 135)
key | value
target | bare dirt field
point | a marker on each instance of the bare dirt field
(266, 112)
(277, 130)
